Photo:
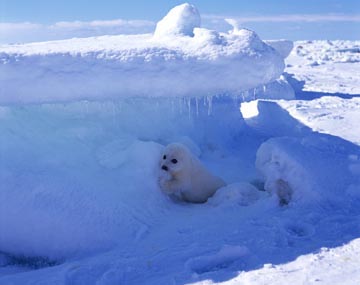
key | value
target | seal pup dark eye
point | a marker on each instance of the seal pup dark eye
(174, 161)
(164, 157)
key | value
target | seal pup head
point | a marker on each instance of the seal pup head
(175, 158)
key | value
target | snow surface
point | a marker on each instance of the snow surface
(330, 115)
(335, 266)
(80, 203)
(326, 66)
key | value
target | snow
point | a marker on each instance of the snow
(249, 109)
(181, 20)
(326, 66)
(328, 266)
(241, 193)
(224, 256)
(148, 65)
(329, 115)
(295, 162)
(80, 197)
(283, 47)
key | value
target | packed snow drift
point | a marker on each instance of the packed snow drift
(83, 126)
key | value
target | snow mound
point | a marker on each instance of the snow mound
(60, 200)
(301, 167)
(181, 20)
(242, 194)
(116, 67)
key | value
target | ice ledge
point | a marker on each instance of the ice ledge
(192, 62)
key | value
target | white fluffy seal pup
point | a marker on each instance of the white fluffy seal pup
(183, 175)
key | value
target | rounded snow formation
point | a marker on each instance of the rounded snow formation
(297, 169)
(181, 20)
(193, 62)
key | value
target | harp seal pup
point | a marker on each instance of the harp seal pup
(183, 175)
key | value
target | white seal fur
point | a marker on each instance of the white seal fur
(183, 175)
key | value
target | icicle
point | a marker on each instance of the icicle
(181, 107)
(243, 96)
(106, 107)
(209, 99)
(247, 95)
(121, 105)
(197, 106)
(235, 99)
(86, 103)
(189, 107)
(172, 106)
(114, 113)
